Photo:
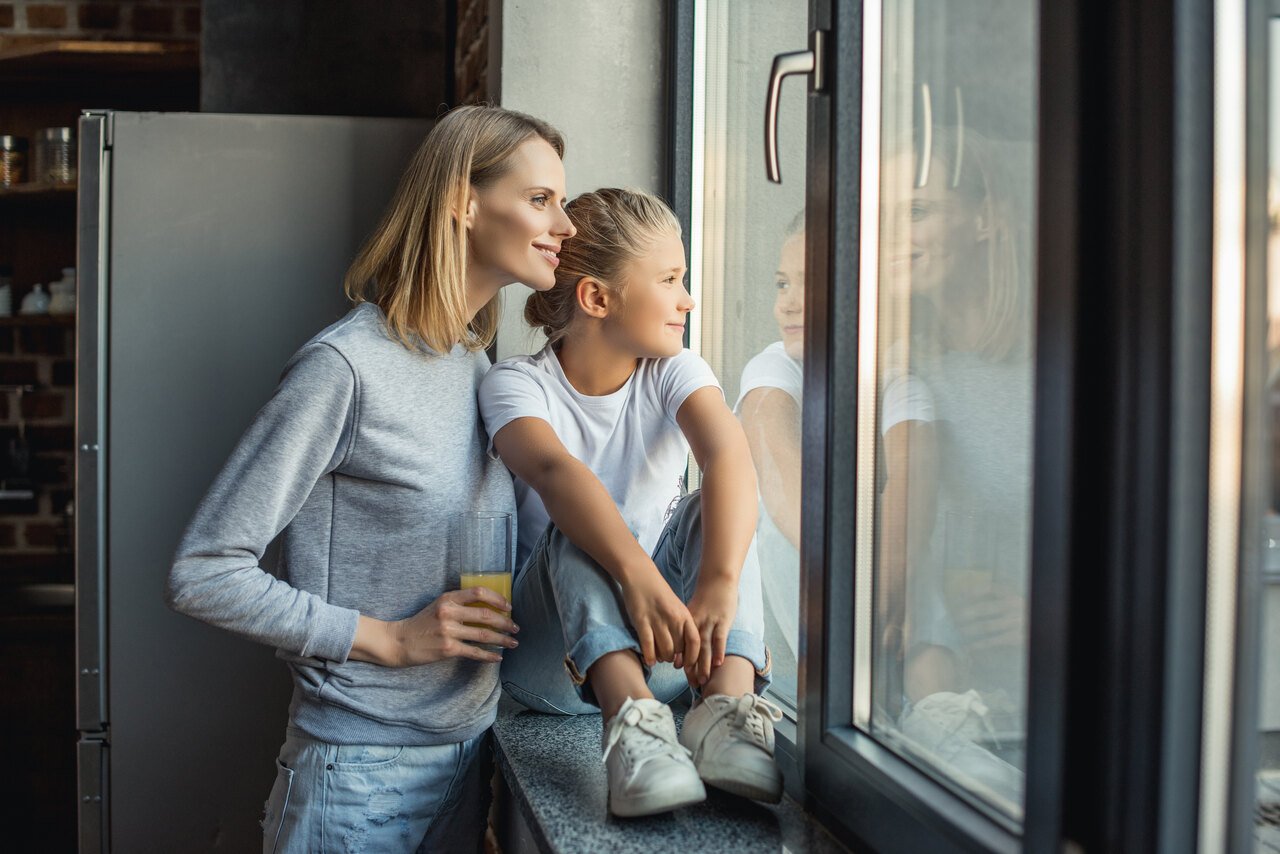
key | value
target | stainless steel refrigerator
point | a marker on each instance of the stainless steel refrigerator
(210, 248)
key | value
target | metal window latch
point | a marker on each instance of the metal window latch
(811, 62)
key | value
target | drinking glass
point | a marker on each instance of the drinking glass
(486, 553)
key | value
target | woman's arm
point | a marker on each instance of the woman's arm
(298, 437)
(907, 509)
(582, 508)
(771, 420)
(728, 519)
(301, 435)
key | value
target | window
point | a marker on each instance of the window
(747, 249)
(942, 546)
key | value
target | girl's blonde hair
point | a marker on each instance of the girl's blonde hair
(414, 265)
(615, 227)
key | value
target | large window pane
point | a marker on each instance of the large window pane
(1267, 824)
(954, 350)
(748, 279)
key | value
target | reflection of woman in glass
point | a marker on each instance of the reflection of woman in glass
(769, 404)
(953, 234)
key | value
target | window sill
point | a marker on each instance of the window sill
(552, 798)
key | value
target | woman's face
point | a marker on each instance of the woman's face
(788, 305)
(518, 223)
(933, 233)
(649, 321)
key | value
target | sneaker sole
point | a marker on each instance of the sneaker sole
(658, 802)
(744, 783)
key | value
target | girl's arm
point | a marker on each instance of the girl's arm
(581, 507)
(771, 420)
(728, 518)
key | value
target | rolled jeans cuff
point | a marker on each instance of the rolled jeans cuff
(590, 648)
(752, 648)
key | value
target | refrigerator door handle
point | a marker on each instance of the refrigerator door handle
(92, 244)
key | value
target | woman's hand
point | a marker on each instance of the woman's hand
(995, 620)
(439, 631)
(663, 625)
(713, 607)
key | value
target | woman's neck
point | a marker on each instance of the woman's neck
(964, 311)
(591, 365)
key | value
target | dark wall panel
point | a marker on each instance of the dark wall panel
(326, 57)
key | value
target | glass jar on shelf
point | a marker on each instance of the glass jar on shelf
(13, 160)
(56, 156)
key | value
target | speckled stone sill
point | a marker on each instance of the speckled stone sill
(551, 767)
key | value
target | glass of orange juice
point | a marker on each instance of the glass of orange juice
(486, 553)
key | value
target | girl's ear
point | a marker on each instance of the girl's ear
(593, 297)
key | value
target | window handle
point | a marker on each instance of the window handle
(809, 61)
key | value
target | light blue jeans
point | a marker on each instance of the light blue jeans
(374, 799)
(571, 612)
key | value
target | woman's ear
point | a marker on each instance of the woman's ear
(472, 208)
(593, 297)
(982, 225)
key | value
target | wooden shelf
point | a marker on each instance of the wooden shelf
(67, 58)
(39, 192)
(38, 320)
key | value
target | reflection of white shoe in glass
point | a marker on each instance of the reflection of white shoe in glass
(649, 772)
(947, 728)
(731, 739)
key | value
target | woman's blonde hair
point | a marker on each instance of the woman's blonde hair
(414, 265)
(615, 227)
(982, 181)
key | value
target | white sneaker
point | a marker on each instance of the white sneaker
(950, 728)
(731, 739)
(649, 772)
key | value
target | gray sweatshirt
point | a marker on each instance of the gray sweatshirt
(364, 457)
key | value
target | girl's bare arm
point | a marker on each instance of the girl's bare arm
(582, 508)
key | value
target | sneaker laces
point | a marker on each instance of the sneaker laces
(749, 712)
(654, 740)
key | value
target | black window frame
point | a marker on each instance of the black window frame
(1120, 508)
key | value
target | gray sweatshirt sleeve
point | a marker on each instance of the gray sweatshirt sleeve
(302, 434)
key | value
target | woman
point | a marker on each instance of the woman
(955, 252)
(364, 455)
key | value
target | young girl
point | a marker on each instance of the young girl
(367, 451)
(619, 572)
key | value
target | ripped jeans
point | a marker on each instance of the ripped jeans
(353, 798)
(570, 612)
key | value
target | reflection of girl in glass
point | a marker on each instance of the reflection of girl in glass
(769, 404)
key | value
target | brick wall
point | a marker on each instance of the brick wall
(35, 535)
(23, 21)
(471, 52)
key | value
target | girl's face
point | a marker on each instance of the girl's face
(518, 223)
(650, 316)
(788, 307)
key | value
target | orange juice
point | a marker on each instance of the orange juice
(498, 582)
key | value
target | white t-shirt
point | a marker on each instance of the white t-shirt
(906, 397)
(629, 439)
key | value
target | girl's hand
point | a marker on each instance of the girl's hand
(663, 625)
(713, 607)
(439, 631)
